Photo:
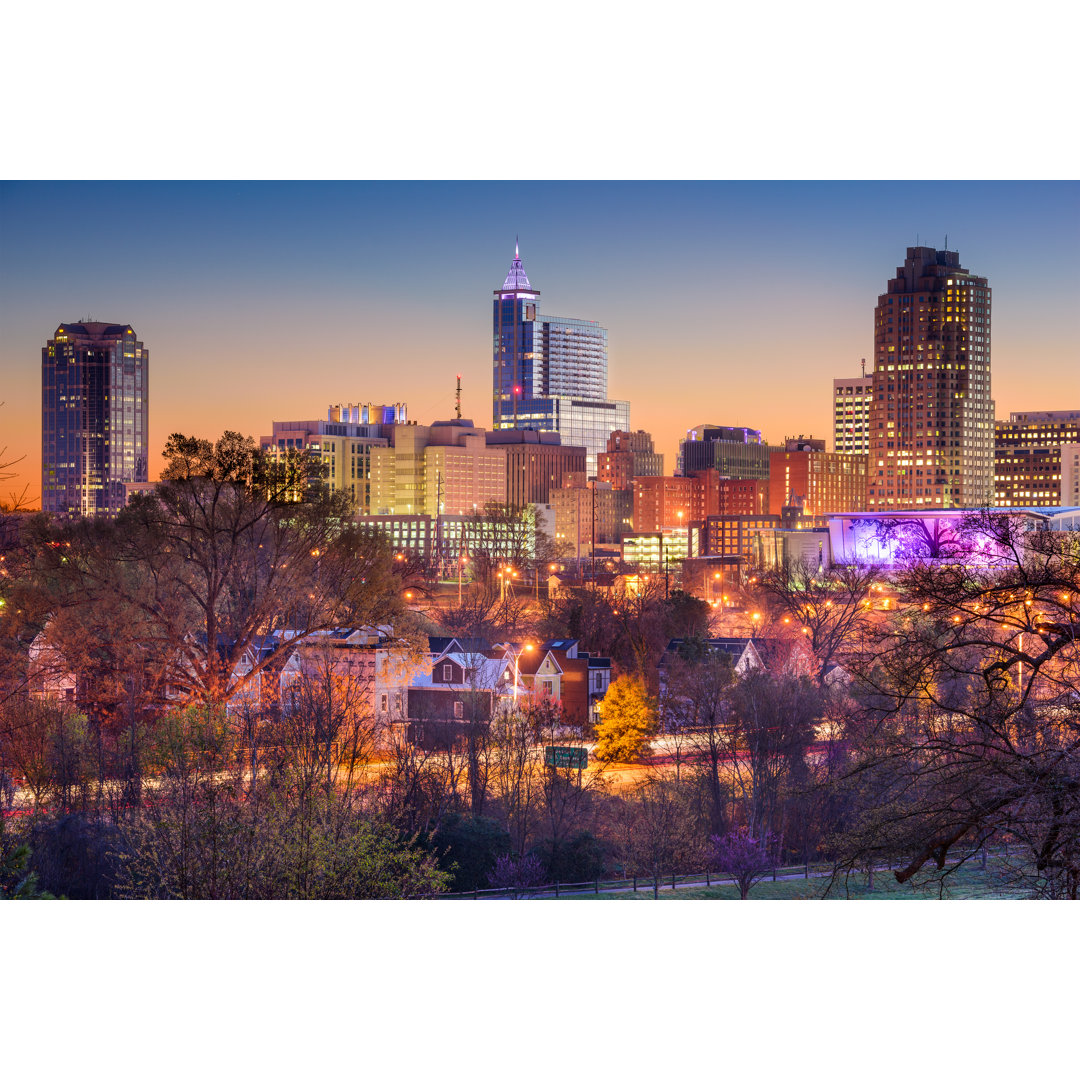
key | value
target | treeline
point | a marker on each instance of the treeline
(902, 718)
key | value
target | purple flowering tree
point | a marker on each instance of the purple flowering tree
(742, 856)
(516, 876)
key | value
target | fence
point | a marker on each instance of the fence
(698, 879)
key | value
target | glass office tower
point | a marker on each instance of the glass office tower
(94, 417)
(550, 372)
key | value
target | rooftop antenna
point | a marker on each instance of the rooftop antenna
(863, 362)
(946, 241)
(517, 254)
(457, 397)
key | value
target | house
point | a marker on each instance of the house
(462, 680)
(558, 670)
(741, 651)
(465, 678)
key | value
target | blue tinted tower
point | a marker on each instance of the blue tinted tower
(550, 372)
(95, 404)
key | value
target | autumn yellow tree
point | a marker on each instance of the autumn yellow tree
(627, 721)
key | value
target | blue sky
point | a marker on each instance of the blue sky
(728, 302)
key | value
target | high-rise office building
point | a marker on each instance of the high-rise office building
(738, 453)
(549, 373)
(851, 414)
(932, 417)
(1029, 457)
(95, 403)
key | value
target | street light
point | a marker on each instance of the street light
(517, 671)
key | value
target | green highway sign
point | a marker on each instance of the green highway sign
(566, 757)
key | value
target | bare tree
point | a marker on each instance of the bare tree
(773, 720)
(221, 557)
(695, 710)
(831, 605)
(970, 729)
(16, 500)
(658, 830)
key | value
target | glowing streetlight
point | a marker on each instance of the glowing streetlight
(517, 670)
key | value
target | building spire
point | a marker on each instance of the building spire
(517, 278)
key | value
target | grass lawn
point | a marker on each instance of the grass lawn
(967, 883)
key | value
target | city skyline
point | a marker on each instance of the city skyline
(732, 303)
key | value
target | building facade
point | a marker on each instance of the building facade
(1070, 474)
(747, 497)
(732, 536)
(536, 463)
(628, 454)
(804, 474)
(549, 373)
(932, 416)
(443, 468)
(593, 515)
(95, 407)
(738, 453)
(664, 551)
(851, 414)
(343, 441)
(441, 540)
(666, 502)
(1028, 458)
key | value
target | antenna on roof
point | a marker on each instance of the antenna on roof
(863, 362)
(457, 396)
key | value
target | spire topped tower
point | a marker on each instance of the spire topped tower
(550, 373)
(517, 278)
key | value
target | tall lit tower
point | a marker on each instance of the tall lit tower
(95, 401)
(932, 417)
(550, 373)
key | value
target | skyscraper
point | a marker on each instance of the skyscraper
(549, 373)
(932, 417)
(95, 400)
(851, 414)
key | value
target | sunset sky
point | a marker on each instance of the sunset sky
(730, 302)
